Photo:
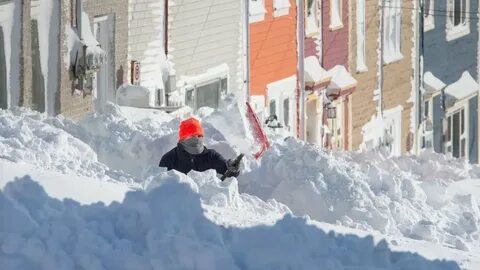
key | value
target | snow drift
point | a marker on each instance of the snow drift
(166, 228)
(416, 197)
(400, 196)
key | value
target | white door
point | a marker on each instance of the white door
(105, 80)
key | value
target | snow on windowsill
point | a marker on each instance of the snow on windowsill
(362, 68)
(336, 27)
(281, 7)
(256, 11)
(456, 32)
(390, 59)
(429, 26)
(311, 27)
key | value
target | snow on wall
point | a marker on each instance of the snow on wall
(47, 14)
(10, 23)
(146, 41)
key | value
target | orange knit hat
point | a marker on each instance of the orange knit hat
(188, 128)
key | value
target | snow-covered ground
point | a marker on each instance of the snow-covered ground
(90, 195)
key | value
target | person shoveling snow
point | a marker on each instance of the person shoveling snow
(191, 153)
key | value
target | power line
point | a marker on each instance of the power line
(444, 13)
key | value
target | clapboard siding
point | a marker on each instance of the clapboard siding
(273, 48)
(204, 34)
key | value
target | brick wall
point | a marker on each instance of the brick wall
(25, 57)
(74, 104)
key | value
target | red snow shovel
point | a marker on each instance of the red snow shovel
(258, 132)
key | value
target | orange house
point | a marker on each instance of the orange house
(273, 60)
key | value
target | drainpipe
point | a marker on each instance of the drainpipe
(382, 44)
(417, 81)
(421, 70)
(301, 68)
(78, 14)
(165, 27)
(246, 48)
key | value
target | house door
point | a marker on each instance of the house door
(105, 87)
(313, 122)
(3, 73)
(456, 142)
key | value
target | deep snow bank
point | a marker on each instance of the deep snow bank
(123, 144)
(165, 228)
(400, 196)
(408, 196)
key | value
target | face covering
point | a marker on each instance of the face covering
(193, 145)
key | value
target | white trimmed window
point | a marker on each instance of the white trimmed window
(336, 21)
(312, 17)
(281, 7)
(392, 28)
(361, 52)
(458, 19)
(256, 11)
(429, 15)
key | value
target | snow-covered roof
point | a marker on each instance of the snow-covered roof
(341, 79)
(211, 74)
(432, 83)
(463, 88)
(289, 84)
(314, 72)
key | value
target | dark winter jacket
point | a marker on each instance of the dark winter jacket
(182, 161)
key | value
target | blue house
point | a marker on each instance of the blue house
(450, 81)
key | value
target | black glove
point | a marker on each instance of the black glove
(233, 168)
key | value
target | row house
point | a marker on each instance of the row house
(328, 83)
(381, 61)
(450, 78)
(337, 116)
(273, 62)
(187, 52)
(62, 57)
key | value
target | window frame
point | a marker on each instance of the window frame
(318, 22)
(392, 32)
(464, 113)
(339, 24)
(429, 20)
(258, 16)
(281, 8)
(361, 65)
(453, 31)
